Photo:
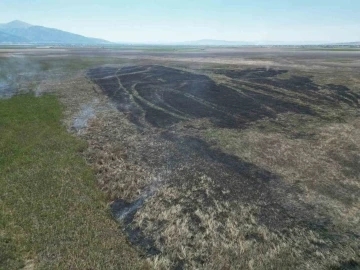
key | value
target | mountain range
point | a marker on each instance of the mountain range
(226, 43)
(350, 43)
(18, 32)
(214, 42)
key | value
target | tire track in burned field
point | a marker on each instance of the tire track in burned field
(162, 96)
(156, 98)
(303, 88)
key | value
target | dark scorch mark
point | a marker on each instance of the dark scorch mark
(164, 96)
(124, 211)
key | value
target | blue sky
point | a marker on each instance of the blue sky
(185, 20)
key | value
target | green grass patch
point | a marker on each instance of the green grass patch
(52, 214)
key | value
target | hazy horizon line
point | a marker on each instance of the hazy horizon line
(188, 42)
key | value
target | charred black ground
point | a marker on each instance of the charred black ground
(164, 96)
(160, 97)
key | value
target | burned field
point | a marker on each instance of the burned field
(211, 205)
(222, 158)
(166, 96)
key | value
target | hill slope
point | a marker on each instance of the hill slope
(15, 24)
(8, 38)
(21, 32)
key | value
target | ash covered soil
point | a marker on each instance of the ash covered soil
(165, 96)
(228, 151)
